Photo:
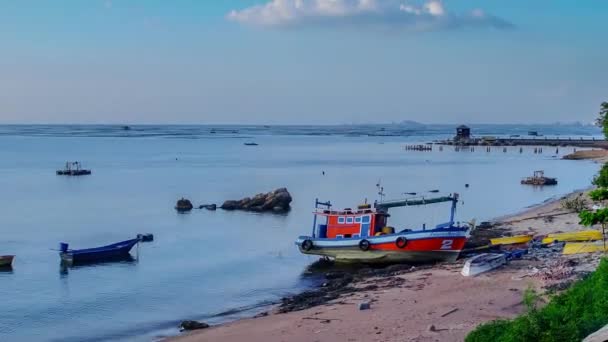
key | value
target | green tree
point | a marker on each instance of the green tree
(591, 218)
(602, 120)
(601, 179)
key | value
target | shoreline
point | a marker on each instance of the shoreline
(429, 312)
(426, 292)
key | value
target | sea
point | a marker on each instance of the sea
(217, 266)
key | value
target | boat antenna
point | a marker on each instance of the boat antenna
(380, 191)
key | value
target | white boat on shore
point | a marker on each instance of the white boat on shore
(483, 263)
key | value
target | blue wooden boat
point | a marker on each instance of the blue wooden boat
(115, 251)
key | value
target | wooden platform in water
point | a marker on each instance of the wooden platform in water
(590, 143)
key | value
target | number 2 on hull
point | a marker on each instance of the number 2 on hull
(447, 244)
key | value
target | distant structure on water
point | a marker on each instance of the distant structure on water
(463, 134)
(73, 169)
(539, 179)
(464, 137)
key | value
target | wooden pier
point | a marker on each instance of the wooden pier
(539, 141)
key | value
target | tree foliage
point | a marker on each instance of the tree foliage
(601, 179)
(600, 194)
(602, 120)
(591, 218)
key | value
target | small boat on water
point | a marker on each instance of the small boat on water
(585, 235)
(511, 240)
(73, 169)
(538, 178)
(483, 263)
(250, 144)
(6, 260)
(362, 235)
(584, 247)
(115, 251)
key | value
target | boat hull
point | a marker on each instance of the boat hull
(6, 260)
(420, 248)
(117, 251)
(511, 240)
(483, 263)
(586, 235)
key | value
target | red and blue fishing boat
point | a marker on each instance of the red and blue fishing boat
(363, 235)
(115, 251)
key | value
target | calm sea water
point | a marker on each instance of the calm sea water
(219, 265)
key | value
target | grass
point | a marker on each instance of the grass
(569, 316)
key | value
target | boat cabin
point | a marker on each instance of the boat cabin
(349, 223)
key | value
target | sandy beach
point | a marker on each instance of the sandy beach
(430, 304)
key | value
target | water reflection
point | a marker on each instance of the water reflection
(66, 266)
(6, 269)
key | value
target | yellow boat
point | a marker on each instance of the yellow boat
(585, 235)
(511, 240)
(584, 247)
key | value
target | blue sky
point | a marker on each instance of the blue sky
(302, 61)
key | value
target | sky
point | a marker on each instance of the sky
(302, 61)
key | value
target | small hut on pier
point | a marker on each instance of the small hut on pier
(463, 134)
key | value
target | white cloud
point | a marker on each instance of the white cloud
(430, 15)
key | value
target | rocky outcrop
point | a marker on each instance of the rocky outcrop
(211, 207)
(183, 205)
(277, 201)
(193, 325)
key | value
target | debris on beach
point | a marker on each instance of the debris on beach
(364, 306)
(183, 205)
(277, 201)
(192, 325)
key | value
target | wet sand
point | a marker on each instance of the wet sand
(430, 305)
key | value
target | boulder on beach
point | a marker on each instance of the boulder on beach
(184, 205)
(193, 325)
(277, 201)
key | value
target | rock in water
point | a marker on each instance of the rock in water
(193, 325)
(208, 206)
(184, 205)
(277, 201)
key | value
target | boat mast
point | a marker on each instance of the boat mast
(453, 210)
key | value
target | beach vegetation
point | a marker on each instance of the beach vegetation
(569, 316)
(574, 204)
(602, 120)
(601, 180)
(600, 194)
(591, 218)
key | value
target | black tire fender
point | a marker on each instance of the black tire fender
(307, 245)
(364, 245)
(401, 242)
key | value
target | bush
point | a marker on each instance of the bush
(576, 204)
(600, 194)
(570, 316)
